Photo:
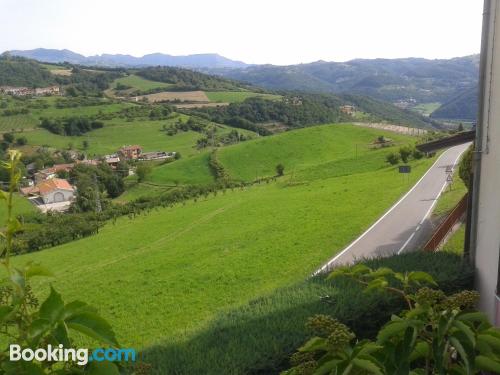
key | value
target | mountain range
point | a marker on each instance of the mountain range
(207, 60)
(408, 81)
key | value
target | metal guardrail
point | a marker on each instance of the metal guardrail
(446, 226)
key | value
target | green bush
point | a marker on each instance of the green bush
(392, 158)
(259, 337)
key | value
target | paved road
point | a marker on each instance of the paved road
(406, 225)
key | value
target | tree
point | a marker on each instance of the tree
(85, 144)
(465, 167)
(392, 158)
(280, 169)
(142, 171)
(405, 153)
(460, 127)
(8, 137)
(21, 141)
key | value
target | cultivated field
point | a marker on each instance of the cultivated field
(184, 96)
(139, 83)
(237, 96)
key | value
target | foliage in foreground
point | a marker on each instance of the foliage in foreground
(25, 322)
(259, 337)
(438, 334)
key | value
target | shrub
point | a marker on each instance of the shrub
(392, 158)
(404, 153)
(465, 167)
(280, 169)
(21, 141)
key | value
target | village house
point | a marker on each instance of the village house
(157, 155)
(54, 194)
(131, 152)
(112, 160)
(51, 172)
(348, 109)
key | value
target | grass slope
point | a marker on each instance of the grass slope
(307, 150)
(183, 265)
(236, 96)
(117, 133)
(139, 83)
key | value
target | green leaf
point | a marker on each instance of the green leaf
(61, 335)
(382, 272)
(92, 325)
(376, 284)
(5, 312)
(53, 307)
(390, 330)
(327, 367)
(360, 269)
(77, 307)
(316, 343)
(466, 330)
(492, 341)
(367, 365)
(421, 350)
(463, 354)
(473, 317)
(487, 364)
(38, 328)
(35, 269)
(102, 368)
(3, 195)
(419, 276)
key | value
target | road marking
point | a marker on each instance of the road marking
(335, 258)
(431, 208)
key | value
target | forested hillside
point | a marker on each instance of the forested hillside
(463, 106)
(16, 71)
(184, 79)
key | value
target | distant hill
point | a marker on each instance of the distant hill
(463, 106)
(16, 71)
(208, 60)
(391, 80)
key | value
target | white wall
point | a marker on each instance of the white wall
(488, 215)
(50, 198)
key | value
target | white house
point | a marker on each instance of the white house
(56, 190)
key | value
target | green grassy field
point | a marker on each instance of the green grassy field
(455, 243)
(117, 133)
(192, 170)
(426, 108)
(308, 152)
(450, 196)
(236, 96)
(182, 265)
(21, 207)
(139, 83)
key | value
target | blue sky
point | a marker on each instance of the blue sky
(256, 31)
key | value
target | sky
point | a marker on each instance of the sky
(277, 32)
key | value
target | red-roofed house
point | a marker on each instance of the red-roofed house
(131, 152)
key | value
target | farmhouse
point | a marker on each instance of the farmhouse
(51, 195)
(157, 155)
(348, 109)
(48, 173)
(131, 152)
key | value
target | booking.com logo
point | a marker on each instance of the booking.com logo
(80, 356)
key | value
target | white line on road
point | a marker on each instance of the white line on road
(431, 208)
(322, 269)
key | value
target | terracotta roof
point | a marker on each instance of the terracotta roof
(29, 190)
(48, 186)
(56, 168)
(133, 147)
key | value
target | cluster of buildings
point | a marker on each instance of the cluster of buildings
(49, 192)
(134, 152)
(29, 91)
